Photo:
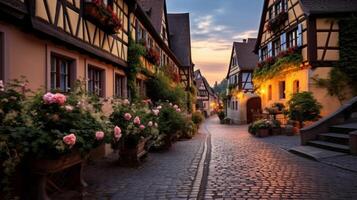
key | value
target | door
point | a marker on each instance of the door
(254, 106)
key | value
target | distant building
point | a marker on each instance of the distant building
(206, 98)
(306, 28)
(242, 101)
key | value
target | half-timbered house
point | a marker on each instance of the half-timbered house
(299, 39)
(240, 87)
(206, 98)
(55, 42)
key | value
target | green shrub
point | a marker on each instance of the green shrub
(197, 118)
(160, 88)
(304, 107)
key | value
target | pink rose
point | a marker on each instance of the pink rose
(156, 112)
(2, 87)
(70, 140)
(126, 102)
(99, 135)
(156, 125)
(60, 99)
(68, 108)
(170, 104)
(150, 124)
(137, 120)
(48, 98)
(127, 116)
(175, 106)
(178, 110)
(142, 127)
(117, 133)
(159, 107)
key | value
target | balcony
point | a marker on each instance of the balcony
(102, 16)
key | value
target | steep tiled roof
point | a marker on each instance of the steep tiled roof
(247, 59)
(199, 79)
(328, 6)
(154, 9)
(180, 39)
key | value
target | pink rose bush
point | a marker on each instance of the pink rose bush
(99, 135)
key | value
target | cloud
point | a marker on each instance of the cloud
(245, 35)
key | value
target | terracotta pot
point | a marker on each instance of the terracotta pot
(263, 132)
(42, 168)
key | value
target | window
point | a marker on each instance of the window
(96, 81)
(120, 86)
(277, 47)
(265, 53)
(270, 92)
(2, 72)
(61, 73)
(282, 90)
(236, 105)
(246, 82)
(278, 8)
(296, 86)
(292, 38)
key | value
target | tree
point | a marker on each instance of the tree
(304, 107)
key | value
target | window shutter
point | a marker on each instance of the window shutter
(283, 41)
(299, 36)
(260, 55)
(270, 49)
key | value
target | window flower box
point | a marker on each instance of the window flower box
(275, 23)
(153, 56)
(102, 16)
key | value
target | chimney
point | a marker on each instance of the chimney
(244, 40)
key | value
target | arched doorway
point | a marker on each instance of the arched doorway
(254, 105)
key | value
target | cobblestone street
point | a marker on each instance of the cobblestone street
(230, 165)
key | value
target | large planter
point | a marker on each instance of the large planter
(276, 131)
(133, 155)
(290, 130)
(42, 170)
(263, 132)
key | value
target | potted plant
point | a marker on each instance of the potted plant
(260, 128)
(135, 123)
(153, 55)
(276, 127)
(303, 107)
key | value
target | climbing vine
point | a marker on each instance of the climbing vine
(135, 52)
(286, 62)
(342, 76)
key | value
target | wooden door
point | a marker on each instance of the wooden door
(254, 105)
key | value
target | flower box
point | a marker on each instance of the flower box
(42, 169)
(102, 16)
(276, 131)
(263, 132)
(153, 56)
(129, 155)
(275, 23)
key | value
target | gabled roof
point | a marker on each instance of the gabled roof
(154, 9)
(247, 59)
(180, 37)
(313, 7)
(328, 6)
(199, 77)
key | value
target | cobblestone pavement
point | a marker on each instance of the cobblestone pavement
(168, 175)
(244, 167)
(231, 165)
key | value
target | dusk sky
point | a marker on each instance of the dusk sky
(215, 24)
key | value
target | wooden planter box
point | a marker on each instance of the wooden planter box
(100, 17)
(133, 156)
(42, 169)
(263, 132)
